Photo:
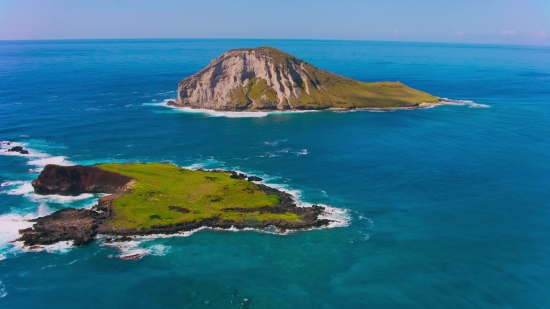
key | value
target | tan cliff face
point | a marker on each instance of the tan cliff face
(265, 78)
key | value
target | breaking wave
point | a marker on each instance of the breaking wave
(137, 249)
(214, 113)
(469, 103)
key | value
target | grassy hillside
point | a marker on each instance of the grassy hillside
(322, 89)
(166, 194)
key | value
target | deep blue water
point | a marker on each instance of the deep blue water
(448, 207)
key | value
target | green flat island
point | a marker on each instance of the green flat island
(165, 194)
(162, 198)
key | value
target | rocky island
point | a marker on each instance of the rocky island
(161, 198)
(265, 78)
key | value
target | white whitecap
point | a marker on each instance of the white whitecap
(339, 217)
(478, 105)
(469, 103)
(26, 189)
(11, 183)
(23, 188)
(138, 247)
(10, 224)
(3, 292)
(43, 210)
(4, 147)
(228, 114)
(59, 160)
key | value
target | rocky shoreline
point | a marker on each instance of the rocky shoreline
(174, 104)
(82, 225)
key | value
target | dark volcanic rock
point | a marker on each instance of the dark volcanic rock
(124, 239)
(236, 175)
(18, 149)
(78, 225)
(15, 149)
(254, 178)
(74, 180)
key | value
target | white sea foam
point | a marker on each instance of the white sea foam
(206, 164)
(26, 189)
(43, 210)
(62, 199)
(3, 292)
(35, 157)
(339, 217)
(138, 248)
(10, 224)
(32, 153)
(469, 103)
(23, 188)
(11, 183)
(478, 105)
(214, 113)
(59, 160)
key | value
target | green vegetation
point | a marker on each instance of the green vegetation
(326, 89)
(165, 194)
(255, 92)
(239, 97)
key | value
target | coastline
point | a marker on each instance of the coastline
(82, 226)
(14, 221)
(170, 103)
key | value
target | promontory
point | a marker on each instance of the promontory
(265, 78)
(161, 198)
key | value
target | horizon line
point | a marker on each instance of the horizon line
(278, 39)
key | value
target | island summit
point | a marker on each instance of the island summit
(265, 78)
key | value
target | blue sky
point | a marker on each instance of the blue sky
(476, 21)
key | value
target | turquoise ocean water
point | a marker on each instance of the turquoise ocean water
(447, 207)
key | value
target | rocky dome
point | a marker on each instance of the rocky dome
(265, 78)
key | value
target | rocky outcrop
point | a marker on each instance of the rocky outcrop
(265, 78)
(18, 149)
(78, 225)
(236, 175)
(75, 180)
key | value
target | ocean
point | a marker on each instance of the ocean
(446, 207)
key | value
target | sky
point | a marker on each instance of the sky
(459, 21)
